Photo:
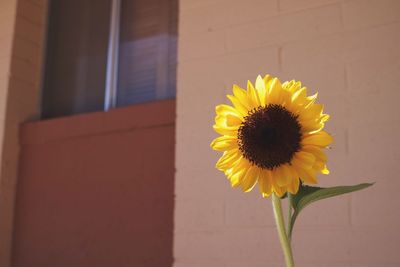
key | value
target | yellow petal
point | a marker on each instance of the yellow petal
(324, 117)
(281, 175)
(311, 126)
(267, 80)
(325, 170)
(307, 176)
(317, 152)
(274, 92)
(238, 91)
(236, 177)
(227, 120)
(285, 99)
(311, 99)
(287, 170)
(228, 159)
(249, 180)
(224, 143)
(227, 116)
(321, 138)
(260, 93)
(280, 191)
(313, 112)
(288, 85)
(241, 95)
(303, 159)
(226, 110)
(252, 95)
(292, 86)
(231, 131)
(260, 84)
(293, 171)
(225, 157)
(293, 187)
(265, 183)
(242, 109)
(238, 171)
(232, 120)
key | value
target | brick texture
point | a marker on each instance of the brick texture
(347, 50)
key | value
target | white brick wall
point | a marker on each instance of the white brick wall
(348, 51)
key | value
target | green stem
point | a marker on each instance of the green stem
(287, 250)
(289, 220)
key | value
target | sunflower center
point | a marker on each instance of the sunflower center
(269, 136)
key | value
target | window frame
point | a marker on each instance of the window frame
(111, 86)
(111, 82)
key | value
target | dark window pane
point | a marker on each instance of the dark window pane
(147, 51)
(76, 57)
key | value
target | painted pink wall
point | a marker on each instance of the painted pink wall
(97, 189)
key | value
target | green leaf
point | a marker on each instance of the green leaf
(310, 194)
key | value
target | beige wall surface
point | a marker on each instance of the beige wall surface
(7, 21)
(22, 25)
(346, 50)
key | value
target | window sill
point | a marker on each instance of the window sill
(139, 116)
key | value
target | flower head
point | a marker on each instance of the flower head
(271, 135)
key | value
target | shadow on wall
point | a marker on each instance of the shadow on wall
(97, 189)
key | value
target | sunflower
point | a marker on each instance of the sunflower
(272, 135)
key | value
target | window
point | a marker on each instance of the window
(108, 53)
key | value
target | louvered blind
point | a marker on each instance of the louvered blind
(147, 51)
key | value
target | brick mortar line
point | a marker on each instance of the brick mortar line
(313, 6)
(272, 16)
(229, 53)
